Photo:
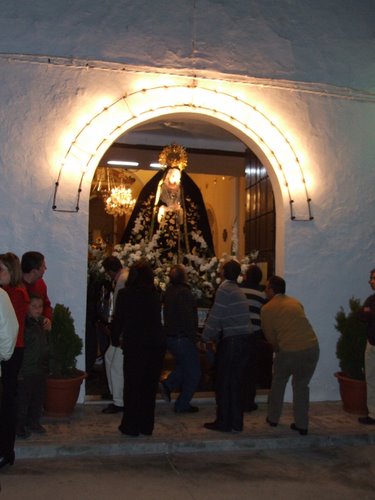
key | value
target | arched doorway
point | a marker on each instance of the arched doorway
(186, 97)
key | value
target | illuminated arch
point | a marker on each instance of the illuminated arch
(233, 112)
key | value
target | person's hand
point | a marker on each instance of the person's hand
(161, 213)
(47, 324)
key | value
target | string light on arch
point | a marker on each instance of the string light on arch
(131, 109)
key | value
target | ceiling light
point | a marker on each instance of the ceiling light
(120, 201)
(123, 163)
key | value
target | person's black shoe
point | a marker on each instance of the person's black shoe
(112, 409)
(127, 433)
(303, 432)
(214, 426)
(165, 392)
(189, 409)
(7, 460)
(269, 422)
(366, 420)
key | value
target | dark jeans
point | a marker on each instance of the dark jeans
(187, 372)
(8, 410)
(231, 360)
(31, 393)
(142, 369)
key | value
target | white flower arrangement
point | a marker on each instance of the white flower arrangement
(203, 271)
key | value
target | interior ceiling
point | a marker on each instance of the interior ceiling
(187, 130)
(211, 149)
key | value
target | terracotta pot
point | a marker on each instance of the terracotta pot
(62, 394)
(353, 394)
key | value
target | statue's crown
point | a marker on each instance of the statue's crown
(173, 156)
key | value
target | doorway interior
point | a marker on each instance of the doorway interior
(216, 159)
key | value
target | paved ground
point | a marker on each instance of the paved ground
(330, 473)
(89, 432)
(85, 457)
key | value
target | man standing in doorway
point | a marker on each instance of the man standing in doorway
(181, 324)
(256, 298)
(367, 314)
(113, 357)
(296, 347)
(229, 325)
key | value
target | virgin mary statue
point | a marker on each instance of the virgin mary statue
(170, 212)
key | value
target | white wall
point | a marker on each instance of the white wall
(310, 44)
(326, 41)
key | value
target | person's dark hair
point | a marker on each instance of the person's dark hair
(112, 263)
(140, 275)
(231, 270)
(372, 271)
(12, 263)
(254, 275)
(277, 284)
(177, 275)
(31, 260)
(35, 296)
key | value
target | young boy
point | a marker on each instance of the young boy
(33, 373)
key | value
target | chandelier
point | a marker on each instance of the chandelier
(120, 201)
(114, 186)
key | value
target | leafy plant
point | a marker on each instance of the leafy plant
(351, 345)
(64, 344)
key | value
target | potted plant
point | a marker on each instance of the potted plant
(64, 380)
(350, 351)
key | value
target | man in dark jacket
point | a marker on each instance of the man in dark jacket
(181, 323)
(368, 315)
(114, 358)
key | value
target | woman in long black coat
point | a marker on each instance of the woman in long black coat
(138, 319)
